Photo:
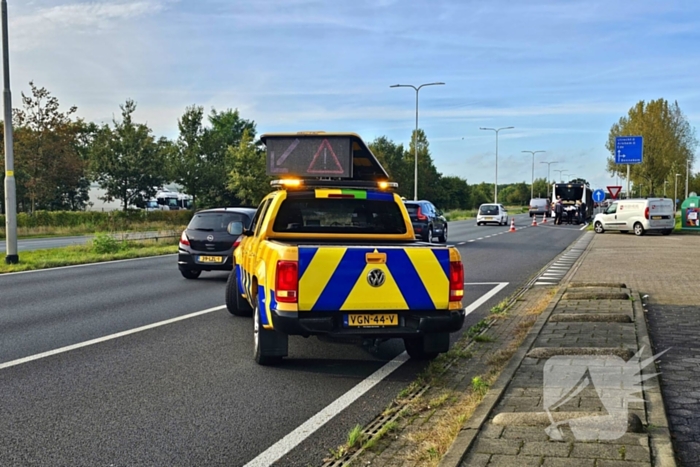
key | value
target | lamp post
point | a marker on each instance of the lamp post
(10, 185)
(415, 137)
(561, 171)
(549, 165)
(675, 195)
(496, 130)
(665, 183)
(532, 185)
(687, 171)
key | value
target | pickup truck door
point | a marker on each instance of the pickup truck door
(250, 252)
(349, 278)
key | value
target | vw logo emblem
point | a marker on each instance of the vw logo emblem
(210, 238)
(376, 278)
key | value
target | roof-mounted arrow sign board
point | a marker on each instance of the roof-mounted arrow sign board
(309, 156)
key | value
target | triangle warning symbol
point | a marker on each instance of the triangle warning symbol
(325, 161)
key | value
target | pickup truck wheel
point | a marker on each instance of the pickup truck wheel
(190, 274)
(415, 347)
(269, 345)
(235, 303)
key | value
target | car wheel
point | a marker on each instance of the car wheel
(235, 304)
(478, 224)
(190, 273)
(430, 235)
(443, 238)
(269, 346)
(638, 229)
(416, 349)
(598, 227)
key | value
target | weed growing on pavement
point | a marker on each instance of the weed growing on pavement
(500, 308)
(623, 452)
(388, 428)
(477, 328)
(484, 338)
(479, 386)
(355, 436)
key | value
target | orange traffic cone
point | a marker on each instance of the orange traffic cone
(544, 218)
(512, 225)
(534, 221)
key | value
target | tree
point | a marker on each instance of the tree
(454, 193)
(392, 156)
(127, 161)
(49, 165)
(669, 142)
(248, 179)
(190, 166)
(428, 176)
(542, 189)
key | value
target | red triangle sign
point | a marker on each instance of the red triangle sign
(614, 191)
(322, 163)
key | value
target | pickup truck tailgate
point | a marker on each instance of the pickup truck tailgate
(339, 278)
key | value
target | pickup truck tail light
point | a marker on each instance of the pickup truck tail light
(420, 215)
(646, 213)
(456, 281)
(287, 282)
(184, 240)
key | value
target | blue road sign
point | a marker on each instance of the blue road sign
(628, 149)
(598, 196)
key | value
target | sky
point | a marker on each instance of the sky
(560, 71)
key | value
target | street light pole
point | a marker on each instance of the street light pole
(549, 165)
(687, 171)
(10, 185)
(496, 130)
(532, 185)
(665, 183)
(675, 195)
(561, 171)
(415, 135)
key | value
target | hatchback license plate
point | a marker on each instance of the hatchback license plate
(371, 321)
(210, 259)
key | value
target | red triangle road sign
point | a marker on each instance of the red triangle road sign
(320, 163)
(614, 191)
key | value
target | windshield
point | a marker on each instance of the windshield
(488, 209)
(343, 216)
(216, 221)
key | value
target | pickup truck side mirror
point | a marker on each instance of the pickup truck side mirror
(235, 228)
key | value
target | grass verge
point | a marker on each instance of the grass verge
(90, 253)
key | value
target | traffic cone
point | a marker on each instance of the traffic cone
(544, 218)
(512, 225)
(534, 221)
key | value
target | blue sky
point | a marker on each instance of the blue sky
(561, 72)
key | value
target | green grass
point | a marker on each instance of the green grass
(89, 229)
(460, 215)
(479, 386)
(72, 255)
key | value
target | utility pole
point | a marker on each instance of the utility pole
(532, 185)
(675, 195)
(10, 184)
(495, 188)
(687, 171)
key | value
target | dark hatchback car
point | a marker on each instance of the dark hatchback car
(206, 245)
(428, 221)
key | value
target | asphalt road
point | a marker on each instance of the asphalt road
(30, 244)
(188, 392)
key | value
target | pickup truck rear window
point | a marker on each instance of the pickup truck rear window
(339, 216)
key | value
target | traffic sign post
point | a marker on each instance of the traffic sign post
(598, 196)
(629, 150)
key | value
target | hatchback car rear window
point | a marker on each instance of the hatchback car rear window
(217, 221)
(412, 208)
(489, 209)
(339, 216)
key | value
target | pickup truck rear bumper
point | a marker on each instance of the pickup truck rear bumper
(411, 324)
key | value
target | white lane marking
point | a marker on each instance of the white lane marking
(306, 429)
(85, 265)
(461, 243)
(79, 345)
(469, 241)
(584, 226)
(545, 283)
(480, 238)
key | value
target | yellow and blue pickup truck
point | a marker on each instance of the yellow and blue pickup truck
(335, 255)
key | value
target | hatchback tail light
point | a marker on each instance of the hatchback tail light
(646, 212)
(420, 215)
(184, 240)
(237, 242)
(287, 282)
(456, 281)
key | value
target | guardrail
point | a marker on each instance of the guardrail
(162, 234)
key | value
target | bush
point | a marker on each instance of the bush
(97, 220)
(106, 244)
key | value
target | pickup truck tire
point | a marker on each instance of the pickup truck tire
(269, 346)
(190, 273)
(427, 347)
(235, 304)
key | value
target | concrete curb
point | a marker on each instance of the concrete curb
(457, 451)
(659, 436)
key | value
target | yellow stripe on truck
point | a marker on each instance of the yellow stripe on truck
(432, 275)
(317, 275)
(364, 297)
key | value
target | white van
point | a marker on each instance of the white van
(638, 215)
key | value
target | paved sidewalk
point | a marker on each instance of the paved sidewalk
(562, 374)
